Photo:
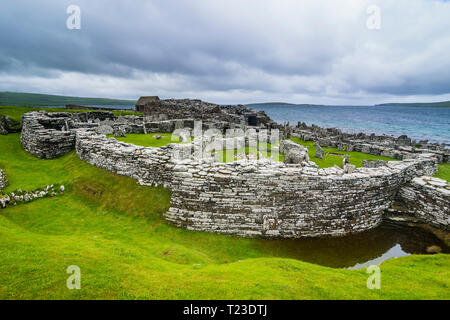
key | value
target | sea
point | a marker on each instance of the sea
(419, 123)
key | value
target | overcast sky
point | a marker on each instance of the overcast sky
(229, 51)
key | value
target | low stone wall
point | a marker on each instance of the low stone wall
(399, 148)
(3, 180)
(428, 199)
(47, 135)
(257, 198)
(51, 135)
(14, 198)
(276, 200)
(150, 166)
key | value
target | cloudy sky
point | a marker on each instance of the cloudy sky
(230, 51)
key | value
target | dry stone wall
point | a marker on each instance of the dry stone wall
(275, 200)
(46, 136)
(257, 198)
(150, 166)
(17, 197)
(398, 148)
(3, 180)
(428, 199)
(245, 198)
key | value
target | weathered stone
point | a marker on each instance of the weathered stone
(7, 125)
(319, 151)
(158, 110)
(3, 180)
(426, 200)
(120, 132)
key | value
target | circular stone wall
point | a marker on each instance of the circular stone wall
(258, 198)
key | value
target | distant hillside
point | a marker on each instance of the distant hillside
(34, 99)
(443, 104)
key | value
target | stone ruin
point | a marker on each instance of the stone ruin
(155, 109)
(250, 198)
(381, 145)
(3, 180)
(7, 125)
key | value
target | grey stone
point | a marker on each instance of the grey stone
(319, 151)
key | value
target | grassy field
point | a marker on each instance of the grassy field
(16, 113)
(113, 229)
(149, 140)
(355, 158)
(444, 171)
(34, 99)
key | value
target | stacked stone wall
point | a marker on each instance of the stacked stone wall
(276, 200)
(428, 199)
(150, 166)
(45, 136)
(3, 180)
(257, 198)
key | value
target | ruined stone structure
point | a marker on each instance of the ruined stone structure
(13, 198)
(3, 180)
(258, 198)
(157, 110)
(245, 198)
(51, 135)
(7, 125)
(427, 198)
(278, 200)
(294, 153)
(389, 146)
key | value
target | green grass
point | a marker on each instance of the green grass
(149, 140)
(113, 229)
(444, 171)
(16, 113)
(355, 158)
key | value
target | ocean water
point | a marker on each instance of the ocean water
(419, 123)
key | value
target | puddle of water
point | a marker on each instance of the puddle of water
(389, 240)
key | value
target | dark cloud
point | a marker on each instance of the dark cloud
(228, 50)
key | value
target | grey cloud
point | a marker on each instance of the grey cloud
(279, 49)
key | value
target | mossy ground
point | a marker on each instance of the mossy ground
(113, 229)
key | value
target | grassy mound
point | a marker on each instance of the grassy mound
(113, 229)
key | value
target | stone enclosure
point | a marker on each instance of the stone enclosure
(259, 198)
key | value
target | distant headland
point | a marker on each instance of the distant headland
(21, 99)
